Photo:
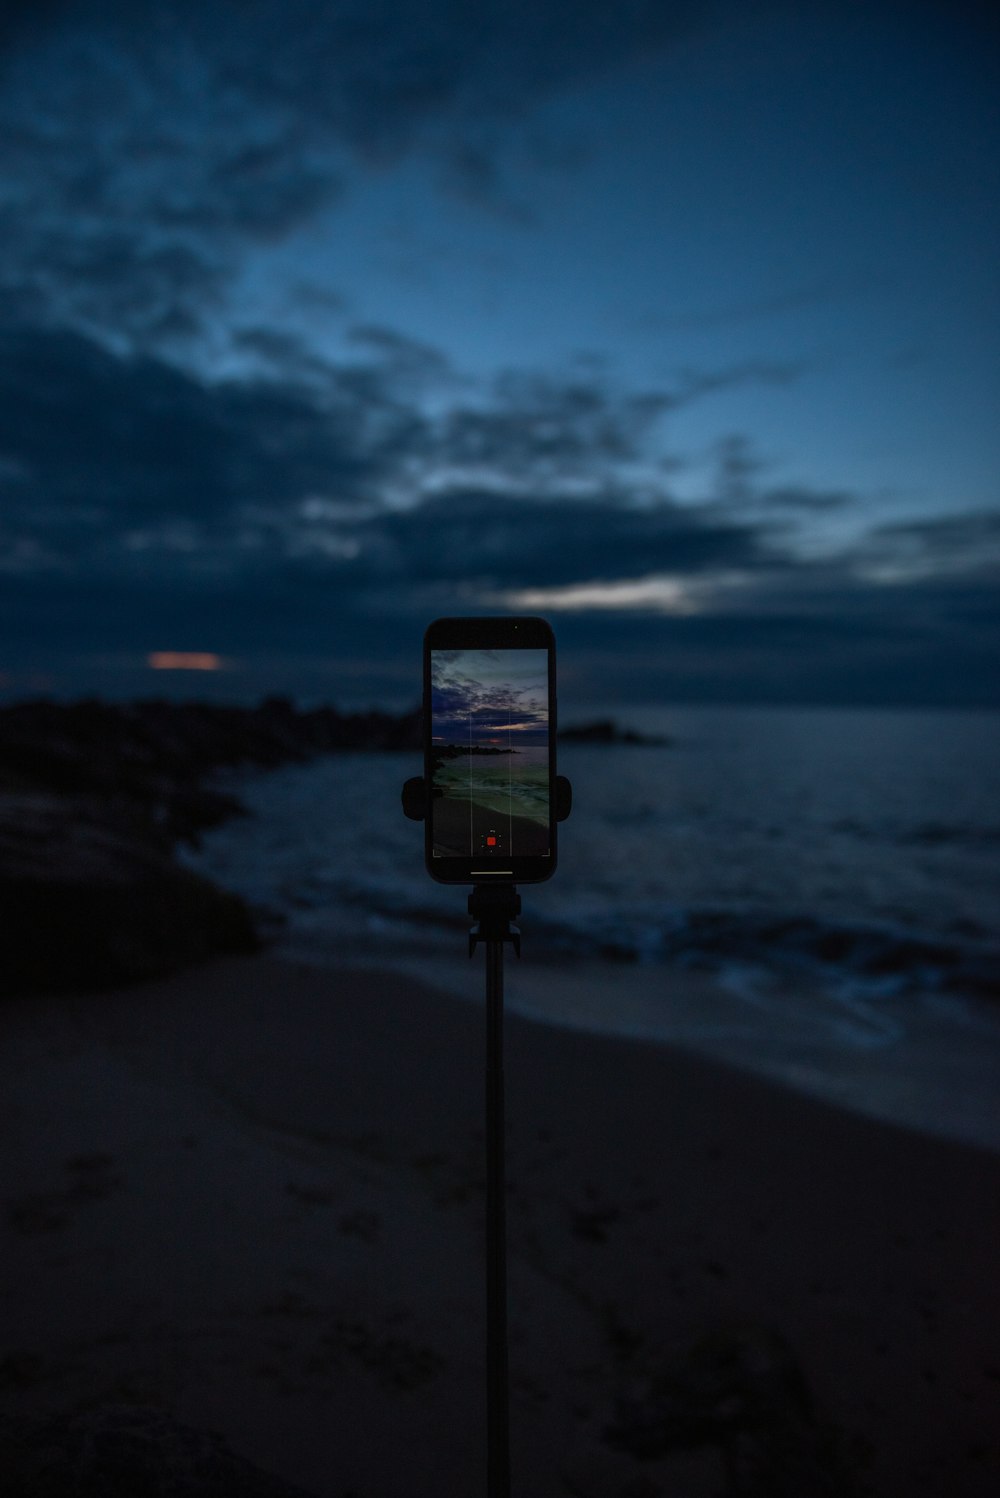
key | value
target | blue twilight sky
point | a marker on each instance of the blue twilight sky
(489, 696)
(677, 323)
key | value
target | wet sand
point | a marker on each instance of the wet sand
(454, 830)
(253, 1195)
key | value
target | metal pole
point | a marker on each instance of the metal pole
(497, 1414)
(493, 907)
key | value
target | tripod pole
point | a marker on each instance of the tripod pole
(494, 907)
(498, 1422)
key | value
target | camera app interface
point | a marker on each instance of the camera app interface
(489, 754)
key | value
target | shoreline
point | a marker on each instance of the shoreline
(252, 1194)
(884, 1073)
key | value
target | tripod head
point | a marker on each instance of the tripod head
(493, 907)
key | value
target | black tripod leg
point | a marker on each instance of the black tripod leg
(497, 1415)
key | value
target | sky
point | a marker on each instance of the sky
(491, 693)
(676, 323)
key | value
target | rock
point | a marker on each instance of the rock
(743, 1391)
(96, 795)
(86, 902)
(607, 731)
(126, 1452)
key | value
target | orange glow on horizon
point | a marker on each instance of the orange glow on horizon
(184, 660)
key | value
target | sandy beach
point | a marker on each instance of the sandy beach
(252, 1196)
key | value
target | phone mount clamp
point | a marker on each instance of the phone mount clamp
(494, 908)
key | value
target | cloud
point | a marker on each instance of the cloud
(488, 540)
(110, 457)
(576, 429)
(802, 498)
(293, 508)
(408, 359)
(739, 487)
(933, 547)
(111, 278)
(530, 424)
(317, 522)
(147, 146)
(126, 463)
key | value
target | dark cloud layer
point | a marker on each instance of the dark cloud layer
(490, 540)
(127, 461)
(91, 439)
(304, 530)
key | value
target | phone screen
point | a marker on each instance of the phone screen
(489, 757)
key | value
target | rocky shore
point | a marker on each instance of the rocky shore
(607, 731)
(95, 797)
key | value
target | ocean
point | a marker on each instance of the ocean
(814, 894)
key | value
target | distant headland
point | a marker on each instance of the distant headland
(607, 731)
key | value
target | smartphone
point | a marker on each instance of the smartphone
(490, 750)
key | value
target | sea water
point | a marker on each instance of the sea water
(813, 893)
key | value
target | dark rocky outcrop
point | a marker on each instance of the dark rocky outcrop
(91, 898)
(607, 731)
(155, 756)
(94, 798)
(126, 1452)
